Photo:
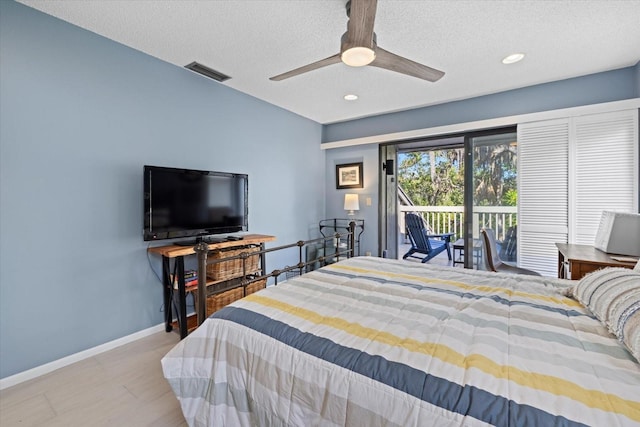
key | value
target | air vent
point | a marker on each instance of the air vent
(207, 72)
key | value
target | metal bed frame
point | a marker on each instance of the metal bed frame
(202, 251)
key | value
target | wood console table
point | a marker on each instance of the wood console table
(177, 254)
(583, 259)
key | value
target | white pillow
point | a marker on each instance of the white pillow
(613, 296)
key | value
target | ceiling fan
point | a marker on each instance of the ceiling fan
(359, 48)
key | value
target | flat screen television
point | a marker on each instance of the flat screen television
(182, 203)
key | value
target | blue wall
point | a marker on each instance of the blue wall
(591, 89)
(81, 115)
(368, 155)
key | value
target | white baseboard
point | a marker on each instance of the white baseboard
(73, 358)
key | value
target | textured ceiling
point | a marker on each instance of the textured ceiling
(252, 40)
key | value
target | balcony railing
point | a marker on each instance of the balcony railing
(450, 219)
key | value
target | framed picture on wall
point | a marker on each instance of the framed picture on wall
(349, 176)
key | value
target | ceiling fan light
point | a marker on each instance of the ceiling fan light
(358, 56)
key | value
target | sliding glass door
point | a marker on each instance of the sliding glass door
(427, 178)
(433, 179)
(492, 200)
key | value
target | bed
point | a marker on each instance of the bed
(376, 342)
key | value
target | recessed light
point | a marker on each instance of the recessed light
(350, 97)
(513, 58)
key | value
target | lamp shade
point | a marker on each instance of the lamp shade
(351, 203)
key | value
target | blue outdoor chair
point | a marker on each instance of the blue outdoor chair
(424, 243)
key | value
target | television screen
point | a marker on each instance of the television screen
(187, 203)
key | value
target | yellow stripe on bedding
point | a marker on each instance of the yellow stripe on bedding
(481, 288)
(547, 383)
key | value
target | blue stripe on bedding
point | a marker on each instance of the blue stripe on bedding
(463, 294)
(465, 400)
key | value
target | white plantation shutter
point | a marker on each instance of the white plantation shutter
(543, 203)
(569, 171)
(606, 158)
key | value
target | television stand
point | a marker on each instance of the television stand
(175, 254)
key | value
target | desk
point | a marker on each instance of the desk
(177, 253)
(583, 259)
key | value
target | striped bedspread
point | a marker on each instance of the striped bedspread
(377, 342)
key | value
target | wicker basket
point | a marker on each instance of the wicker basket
(256, 286)
(221, 300)
(233, 268)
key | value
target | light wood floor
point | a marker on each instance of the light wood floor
(121, 387)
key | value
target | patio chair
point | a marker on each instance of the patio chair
(492, 260)
(423, 242)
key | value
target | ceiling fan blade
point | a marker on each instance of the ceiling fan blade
(362, 15)
(310, 67)
(391, 61)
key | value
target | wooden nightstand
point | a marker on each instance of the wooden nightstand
(574, 261)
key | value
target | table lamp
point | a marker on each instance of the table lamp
(351, 203)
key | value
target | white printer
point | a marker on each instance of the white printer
(619, 233)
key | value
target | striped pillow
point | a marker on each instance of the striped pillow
(613, 295)
(637, 267)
